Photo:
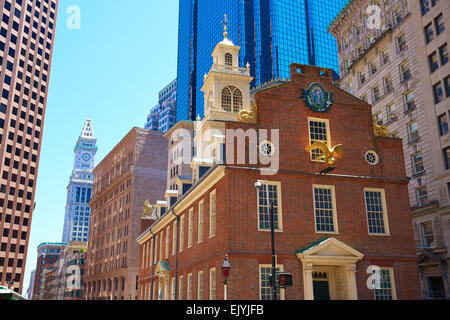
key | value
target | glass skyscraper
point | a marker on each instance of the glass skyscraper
(272, 34)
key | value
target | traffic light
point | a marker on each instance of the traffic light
(284, 279)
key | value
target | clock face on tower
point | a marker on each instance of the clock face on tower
(86, 157)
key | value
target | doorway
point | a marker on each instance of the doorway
(436, 288)
(321, 290)
(321, 286)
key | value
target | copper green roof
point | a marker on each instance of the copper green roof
(312, 245)
(164, 266)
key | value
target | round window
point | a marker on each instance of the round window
(267, 148)
(372, 158)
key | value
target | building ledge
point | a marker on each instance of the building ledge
(426, 209)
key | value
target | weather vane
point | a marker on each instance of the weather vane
(225, 28)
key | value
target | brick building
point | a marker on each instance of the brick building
(133, 172)
(48, 255)
(338, 221)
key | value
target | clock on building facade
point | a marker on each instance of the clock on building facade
(77, 217)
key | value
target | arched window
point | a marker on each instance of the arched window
(231, 99)
(228, 59)
(237, 100)
(226, 99)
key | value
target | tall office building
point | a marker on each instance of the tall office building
(27, 31)
(133, 172)
(163, 116)
(271, 35)
(402, 69)
(79, 191)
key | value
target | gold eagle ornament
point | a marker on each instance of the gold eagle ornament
(249, 116)
(329, 155)
(148, 210)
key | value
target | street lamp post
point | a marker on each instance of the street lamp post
(274, 256)
(226, 268)
(258, 186)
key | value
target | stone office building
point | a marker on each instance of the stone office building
(400, 66)
(341, 213)
(133, 172)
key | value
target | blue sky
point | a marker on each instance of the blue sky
(111, 70)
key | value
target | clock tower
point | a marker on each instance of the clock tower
(79, 190)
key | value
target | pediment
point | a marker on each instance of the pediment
(332, 250)
(163, 267)
(329, 249)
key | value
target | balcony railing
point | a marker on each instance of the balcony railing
(237, 70)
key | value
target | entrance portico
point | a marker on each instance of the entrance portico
(162, 274)
(329, 270)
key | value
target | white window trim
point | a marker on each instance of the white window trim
(181, 233)
(174, 238)
(211, 215)
(201, 217)
(327, 126)
(144, 250)
(180, 288)
(333, 196)
(281, 267)
(161, 241)
(385, 212)
(189, 287)
(167, 242)
(391, 273)
(149, 253)
(280, 206)
(156, 250)
(200, 284)
(190, 228)
(212, 284)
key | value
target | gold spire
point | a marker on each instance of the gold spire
(225, 28)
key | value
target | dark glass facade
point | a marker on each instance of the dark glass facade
(272, 34)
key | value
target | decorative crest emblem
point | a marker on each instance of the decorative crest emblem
(317, 99)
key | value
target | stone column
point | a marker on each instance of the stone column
(104, 288)
(308, 281)
(352, 288)
(109, 289)
(115, 291)
(87, 291)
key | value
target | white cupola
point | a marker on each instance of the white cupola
(227, 92)
(226, 86)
